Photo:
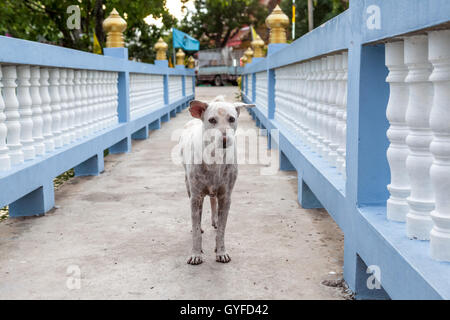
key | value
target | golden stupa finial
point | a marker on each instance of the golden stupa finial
(191, 62)
(180, 57)
(249, 54)
(244, 60)
(258, 45)
(114, 27)
(161, 48)
(277, 22)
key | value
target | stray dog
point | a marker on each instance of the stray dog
(213, 177)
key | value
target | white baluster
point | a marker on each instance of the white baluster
(304, 101)
(65, 132)
(109, 98)
(12, 115)
(116, 96)
(56, 107)
(98, 101)
(439, 55)
(26, 122)
(326, 106)
(312, 104)
(85, 104)
(397, 206)
(5, 161)
(71, 104)
(101, 99)
(49, 142)
(341, 161)
(132, 95)
(308, 90)
(38, 121)
(418, 163)
(91, 101)
(78, 105)
(333, 109)
(105, 100)
(319, 105)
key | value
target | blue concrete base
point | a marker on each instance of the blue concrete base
(155, 125)
(305, 196)
(91, 167)
(173, 113)
(34, 203)
(165, 117)
(123, 146)
(285, 164)
(141, 134)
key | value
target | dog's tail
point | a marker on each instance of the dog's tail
(218, 98)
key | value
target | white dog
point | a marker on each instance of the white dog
(211, 168)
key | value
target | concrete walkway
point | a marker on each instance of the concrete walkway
(126, 235)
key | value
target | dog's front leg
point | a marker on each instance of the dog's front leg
(213, 201)
(196, 216)
(224, 208)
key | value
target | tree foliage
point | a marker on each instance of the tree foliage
(46, 21)
(214, 22)
(324, 10)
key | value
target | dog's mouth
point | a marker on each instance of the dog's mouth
(224, 143)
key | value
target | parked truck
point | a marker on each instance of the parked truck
(218, 66)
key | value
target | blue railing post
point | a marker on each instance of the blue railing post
(123, 108)
(123, 84)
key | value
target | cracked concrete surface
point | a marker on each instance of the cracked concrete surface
(126, 235)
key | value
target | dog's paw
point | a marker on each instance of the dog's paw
(214, 224)
(195, 259)
(223, 257)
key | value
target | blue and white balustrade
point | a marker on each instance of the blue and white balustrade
(311, 102)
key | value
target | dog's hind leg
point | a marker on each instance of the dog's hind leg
(224, 208)
(196, 216)
(213, 201)
(187, 186)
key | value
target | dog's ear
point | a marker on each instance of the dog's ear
(240, 105)
(197, 108)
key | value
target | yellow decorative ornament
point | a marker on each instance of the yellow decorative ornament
(277, 22)
(161, 48)
(244, 60)
(249, 54)
(191, 62)
(180, 57)
(258, 45)
(114, 27)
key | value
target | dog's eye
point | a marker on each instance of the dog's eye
(212, 120)
(231, 119)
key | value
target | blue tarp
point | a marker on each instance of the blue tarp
(184, 41)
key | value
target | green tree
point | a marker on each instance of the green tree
(214, 22)
(324, 10)
(46, 21)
